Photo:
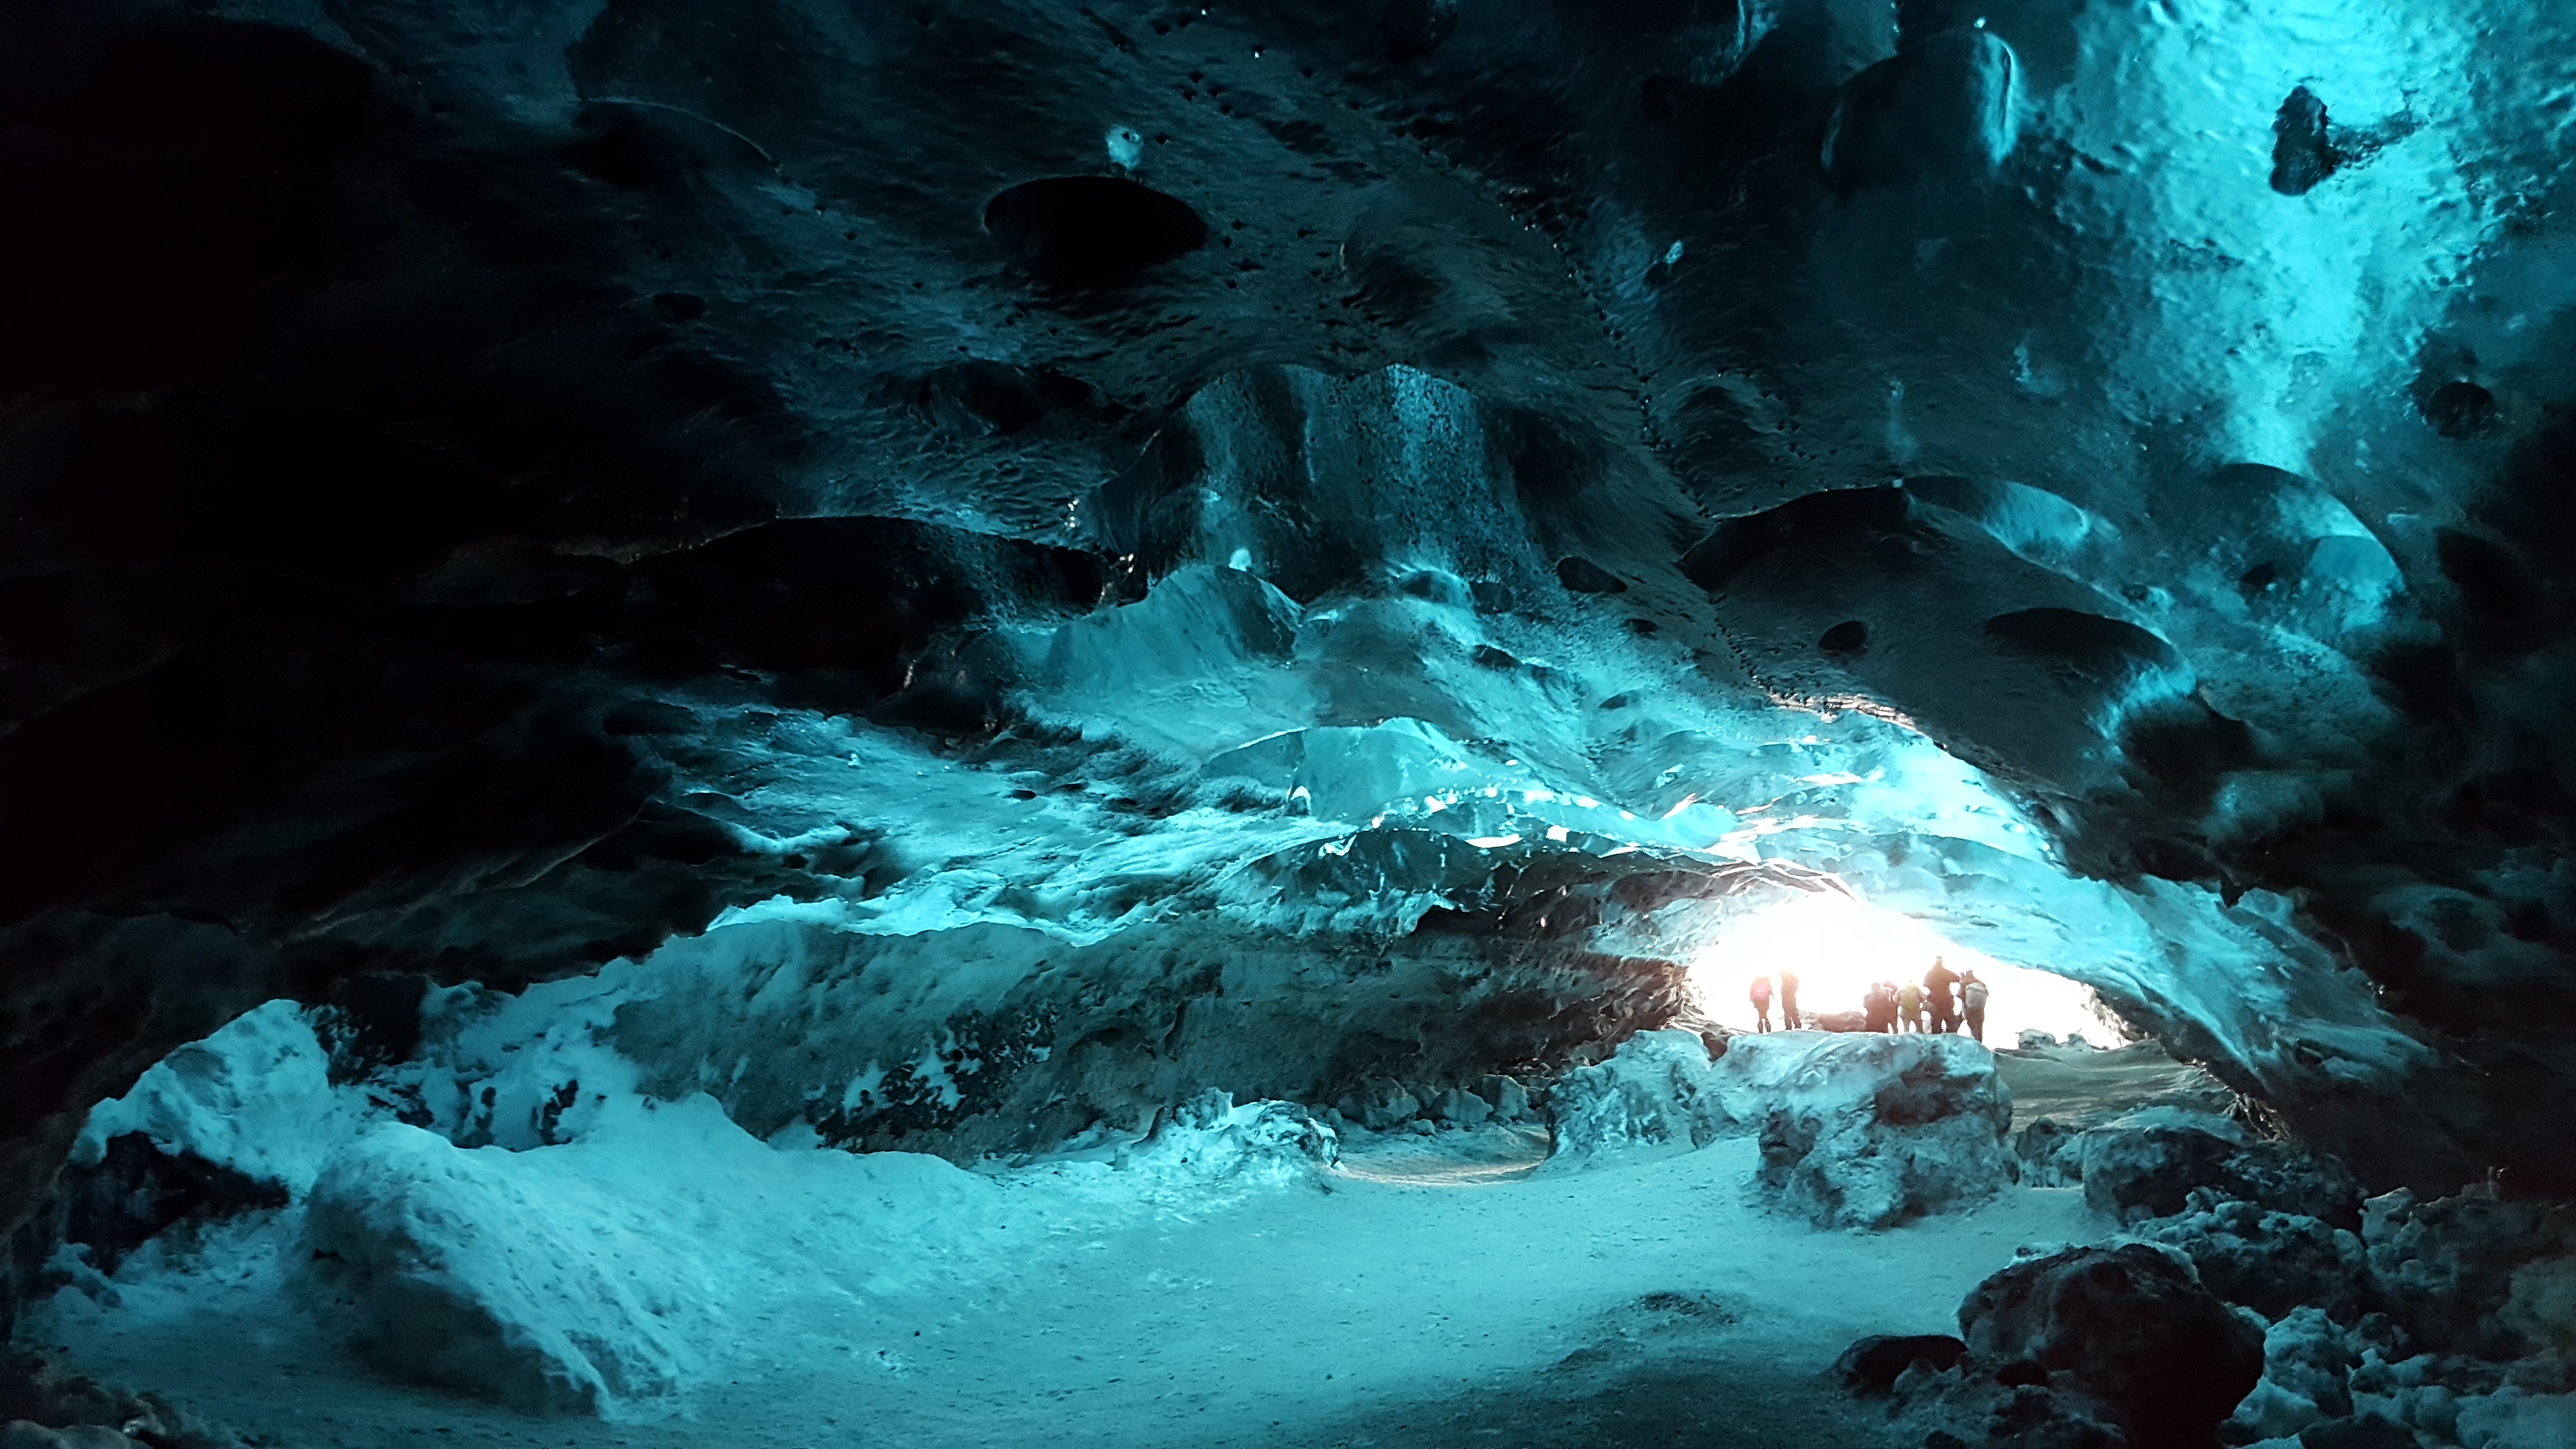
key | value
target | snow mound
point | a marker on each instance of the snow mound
(255, 1096)
(1873, 1131)
(467, 1268)
(1660, 1091)
(606, 1276)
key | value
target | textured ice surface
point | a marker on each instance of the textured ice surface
(1660, 1090)
(1858, 1130)
(1865, 1130)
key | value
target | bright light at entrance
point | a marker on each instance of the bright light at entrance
(1838, 946)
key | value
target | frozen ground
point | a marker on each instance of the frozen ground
(1430, 1290)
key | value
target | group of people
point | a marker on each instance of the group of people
(1944, 1002)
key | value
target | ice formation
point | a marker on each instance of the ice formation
(1204, 601)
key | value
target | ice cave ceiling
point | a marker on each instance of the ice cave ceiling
(1252, 541)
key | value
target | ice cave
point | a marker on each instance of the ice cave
(1571, 724)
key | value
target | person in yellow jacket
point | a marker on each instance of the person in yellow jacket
(1909, 1007)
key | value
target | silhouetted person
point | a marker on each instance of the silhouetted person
(1937, 984)
(1909, 1007)
(1789, 1018)
(1762, 1002)
(1878, 1008)
(1972, 995)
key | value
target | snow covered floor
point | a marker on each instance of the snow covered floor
(1438, 1294)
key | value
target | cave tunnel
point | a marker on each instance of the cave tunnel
(1287, 722)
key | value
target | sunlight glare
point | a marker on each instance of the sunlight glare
(1839, 945)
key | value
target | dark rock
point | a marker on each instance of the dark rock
(138, 1191)
(2368, 1431)
(372, 1022)
(2268, 1261)
(35, 1392)
(2051, 1153)
(2140, 1172)
(1509, 1099)
(2302, 152)
(2448, 1268)
(2132, 1327)
(1380, 1105)
(1848, 637)
(1458, 1107)
(2036, 1417)
(1872, 1364)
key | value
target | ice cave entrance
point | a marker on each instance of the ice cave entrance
(1839, 944)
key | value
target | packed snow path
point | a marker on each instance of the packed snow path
(1439, 1293)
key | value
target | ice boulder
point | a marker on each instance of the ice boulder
(1458, 1107)
(1873, 1364)
(464, 1268)
(2476, 1274)
(2514, 1419)
(1660, 1091)
(2271, 1262)
(1870, 1131)
(2051, 1153)
(2147, 1167)
(1509, 1099)
(1380, 1105)
(2308, 1361)
(1209, 1139)
(254, 1097)
(2132, 1327)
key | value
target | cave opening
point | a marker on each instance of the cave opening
(1840, 947)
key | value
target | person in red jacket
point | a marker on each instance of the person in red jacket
(1762, 1001)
